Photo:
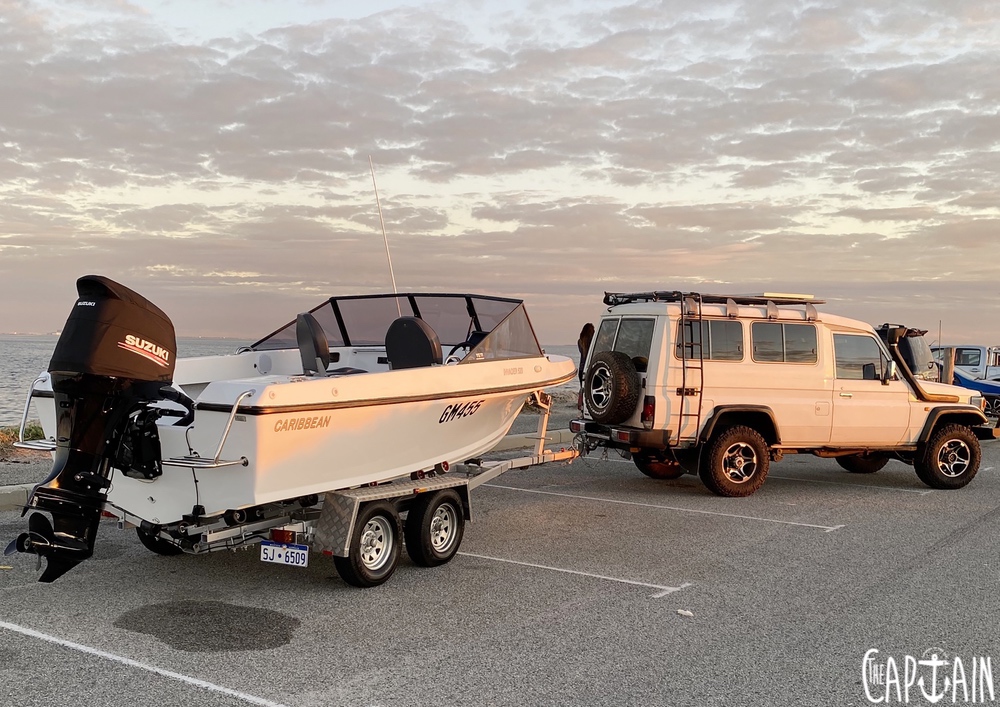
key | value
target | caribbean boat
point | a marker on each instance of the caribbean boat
(356, 392)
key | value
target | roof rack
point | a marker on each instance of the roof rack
(616, 298)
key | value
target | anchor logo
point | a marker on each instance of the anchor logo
(934, 662)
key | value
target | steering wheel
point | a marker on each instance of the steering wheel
(464, 345)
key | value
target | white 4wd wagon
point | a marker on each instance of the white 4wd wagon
(721, 385)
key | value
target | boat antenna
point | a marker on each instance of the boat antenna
(384, 236)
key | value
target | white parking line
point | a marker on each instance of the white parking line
(142, 666)
(664, 591)
(860, 486)
(824, 528)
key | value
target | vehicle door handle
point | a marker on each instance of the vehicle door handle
(847, 395)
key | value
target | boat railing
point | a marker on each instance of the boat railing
(39, 445)
(194, 461)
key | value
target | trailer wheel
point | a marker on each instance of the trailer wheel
(949, 459)
(374, 550)
(434, 528)
(735, 462)
(863, 463)
(155, 543)
(650, 464)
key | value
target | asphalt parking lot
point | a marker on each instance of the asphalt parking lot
(568, 589)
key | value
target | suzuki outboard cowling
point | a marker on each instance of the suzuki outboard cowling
(115, 353)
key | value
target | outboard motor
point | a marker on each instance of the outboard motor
(115, 354)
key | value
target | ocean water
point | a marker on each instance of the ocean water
(22, 358)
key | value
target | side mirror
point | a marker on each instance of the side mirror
(890, 373)
(868, 372)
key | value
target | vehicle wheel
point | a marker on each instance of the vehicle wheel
(650, 464)
(374, 550)
(735, 462)
(863, 463)
(950, 459)
(434, 528)
(611, 387)
(157, 544)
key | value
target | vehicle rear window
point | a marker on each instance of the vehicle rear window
(633, 337)
(784, 343)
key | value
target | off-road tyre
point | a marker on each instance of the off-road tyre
(949, 459)
(734, 453)
(154, 543)
(863, 463)
(655, 467)
(434, 528)
(611, 387)
(373, 553)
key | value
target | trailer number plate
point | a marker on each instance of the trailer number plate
(284, 554)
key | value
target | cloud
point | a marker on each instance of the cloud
(549, 151)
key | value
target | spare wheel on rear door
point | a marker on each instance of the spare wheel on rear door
(611, 388)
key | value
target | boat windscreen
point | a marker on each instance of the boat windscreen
(363, 321)
(512, 338)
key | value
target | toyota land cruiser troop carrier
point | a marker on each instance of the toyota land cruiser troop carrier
(721, 385)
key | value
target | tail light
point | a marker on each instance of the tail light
(648, 411)
(286, 537)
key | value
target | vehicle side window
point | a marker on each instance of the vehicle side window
(783, 342)
(853, 353)
(722, 340)
(967, 357)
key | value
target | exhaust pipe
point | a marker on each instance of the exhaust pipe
(115, 353)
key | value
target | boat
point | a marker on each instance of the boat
(989, 388)
(354, 393)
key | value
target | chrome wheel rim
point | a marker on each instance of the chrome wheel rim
(954, 458)
(376, 543)
(443, 526)
(600, 386)
(739, 463)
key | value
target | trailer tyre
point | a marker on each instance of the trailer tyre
(434, 528)
(735, 463)
(611, 387)
(950, 458)
(863, 463)
(155, 543)
(374, 549)
(650, 464)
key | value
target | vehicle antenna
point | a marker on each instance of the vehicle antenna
(384, 236)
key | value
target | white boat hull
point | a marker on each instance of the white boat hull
(303, 448)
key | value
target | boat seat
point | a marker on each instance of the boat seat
(313, 346)
(411, 343)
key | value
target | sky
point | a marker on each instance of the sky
(216, 155)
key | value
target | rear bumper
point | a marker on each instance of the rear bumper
(621, 437)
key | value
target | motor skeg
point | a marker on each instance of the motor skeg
(114, 355)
